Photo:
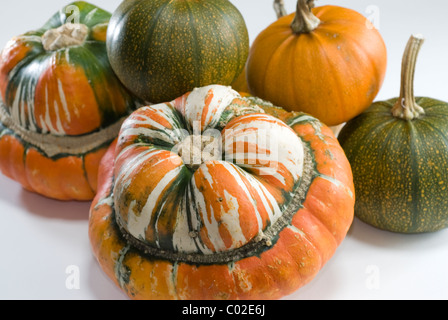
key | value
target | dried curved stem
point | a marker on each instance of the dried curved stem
(304, 21)
(406, 107)
(279, 7)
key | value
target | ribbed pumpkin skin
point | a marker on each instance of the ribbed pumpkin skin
(72, 91)
(307, 240)
(161, 49)
(333, 73)
(400, 167)
(47, 96)
(61, 177)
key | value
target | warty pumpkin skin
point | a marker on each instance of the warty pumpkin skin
(233, 227)
(60, 104)
(326, 61)
(161, 49)
(399, 155)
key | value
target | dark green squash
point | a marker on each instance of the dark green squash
(398, 150)
(161, 49)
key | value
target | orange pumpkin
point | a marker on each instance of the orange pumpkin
(60, 104)
(240, 84)
(327, 61)
(216, 196)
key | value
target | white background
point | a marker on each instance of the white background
(41, 239)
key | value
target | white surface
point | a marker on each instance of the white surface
(41, 239)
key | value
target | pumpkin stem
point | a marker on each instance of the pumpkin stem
(304, 21)
(67, 35)
(406, 107)
(279, 7)
(196, 149)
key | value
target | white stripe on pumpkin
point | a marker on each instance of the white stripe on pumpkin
(195, 220)
(195, 105)
(63, 100)
(30, 103)
(59, 129)
(270, 204)
(138, 125)
(207, 214)
(137, 225)
(17, 103)
(124, 178)
(183, 239)
(268, 133)
(231, 218)
(90, 15)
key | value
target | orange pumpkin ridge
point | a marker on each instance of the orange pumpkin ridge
(64, 101)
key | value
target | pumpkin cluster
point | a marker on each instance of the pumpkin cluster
(211, 166)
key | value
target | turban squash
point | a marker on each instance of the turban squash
(218, 196)
(61, 104)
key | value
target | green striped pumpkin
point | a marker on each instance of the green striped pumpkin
(161, 49)
(398, 150)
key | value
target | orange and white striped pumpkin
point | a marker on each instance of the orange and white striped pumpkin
(61, 104)
(216, 196)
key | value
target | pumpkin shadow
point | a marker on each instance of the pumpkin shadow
(101, 287)
(54, 209)
(363, 232)
(9, 189)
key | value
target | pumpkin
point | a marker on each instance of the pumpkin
(60, 104)
(326, 61)
(240, 84)
(161, 49)
(218, 196)
(399, 156)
